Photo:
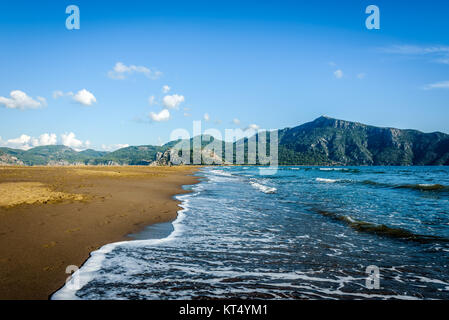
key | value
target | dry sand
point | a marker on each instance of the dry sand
(53, 217)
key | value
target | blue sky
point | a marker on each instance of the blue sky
(273, 64)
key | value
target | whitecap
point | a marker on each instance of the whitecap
(326, 180)
(261, 187)
(221, 173)
(89, 270)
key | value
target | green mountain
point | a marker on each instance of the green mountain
(141, 155)
(331, 141)
(54, 154)
(324, 141)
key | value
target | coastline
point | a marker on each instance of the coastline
(39, 240)
(279, 249)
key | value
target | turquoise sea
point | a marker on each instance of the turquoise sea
(296, 233)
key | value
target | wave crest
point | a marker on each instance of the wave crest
(326, 180)
(423, 187)
(380, 229)
(263, 188)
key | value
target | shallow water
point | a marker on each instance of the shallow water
(304, 232)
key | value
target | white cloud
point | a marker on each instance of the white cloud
(206, 117)
(361, 76)
(20, 100)
(113, 147)
(442, 60)
(57, 94)
(84, 97)
(121, 71)
(46, 139)
(164, 115)
(165, 89)
(236, 121)
(437, 85)
(42, 100)
(187, 114)
(23, 142)
(173, 101)
(438, 54)
(26, 142)
(252, 127)
(70, 140)
(152, 100)
(338, 74)
(416, 50)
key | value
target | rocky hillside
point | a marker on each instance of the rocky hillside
(324, 141)
(331, 141)
(6, 159)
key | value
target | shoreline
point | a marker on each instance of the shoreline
(51, 235)
(94, 262)
(95, 258)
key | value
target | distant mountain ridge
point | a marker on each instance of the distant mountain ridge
(324, 141)
(331, 141)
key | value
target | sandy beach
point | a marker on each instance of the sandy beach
(53, 217)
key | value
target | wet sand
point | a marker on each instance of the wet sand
(53, 217)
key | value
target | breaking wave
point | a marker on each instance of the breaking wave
(424, 187)
(263, 188)
(326, 180)
(380, 229)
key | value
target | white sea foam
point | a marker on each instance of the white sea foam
(180, 270)
(89, 269)
(428, 280)
(261, 187)
(331, 169)
(221, 173)
(325, 180)
(427, 185)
